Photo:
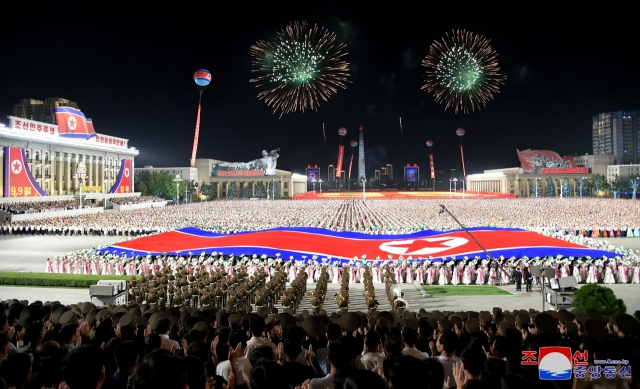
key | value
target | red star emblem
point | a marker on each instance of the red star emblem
(16, 167)
(424, 246)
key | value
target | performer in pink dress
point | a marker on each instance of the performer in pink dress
(409, 270)
(480, 275)
(420, 274)
(375, 273)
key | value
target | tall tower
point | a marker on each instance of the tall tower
(361, 164)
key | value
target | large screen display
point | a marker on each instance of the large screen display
(313, 174)
(411, 174)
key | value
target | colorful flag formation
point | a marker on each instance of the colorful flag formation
(18, 180)
(123, 183)
(344, 246)
(73, 124)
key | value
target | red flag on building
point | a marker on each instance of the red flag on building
(73, 124)
(340, 158)
(433, 170)
(18, 180)
(123, 183)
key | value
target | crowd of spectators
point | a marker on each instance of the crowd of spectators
(23, 207)
(142, 347)
(613, 218)
(135, 200)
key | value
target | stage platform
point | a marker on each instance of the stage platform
(386, 195)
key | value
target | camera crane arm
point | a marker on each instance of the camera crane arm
(444, 209)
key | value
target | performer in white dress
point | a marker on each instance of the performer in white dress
(455, 277)
(443, 277)
(608, 275)
(466, 277)
(592, 277)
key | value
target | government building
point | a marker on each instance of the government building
(538, 166)
(244, 174)
(51, 150)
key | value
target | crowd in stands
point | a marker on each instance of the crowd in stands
(135, 200)
(575, 216)
(22, 207)
(140, 346)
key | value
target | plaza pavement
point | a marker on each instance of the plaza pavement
(29, 253)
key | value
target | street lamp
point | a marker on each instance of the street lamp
(313, 182)
(463, 184)
(453, 181)
(320, 182)
(30, 213)
(177, 180)
(364, 181)
(538, 187)
(80, 174)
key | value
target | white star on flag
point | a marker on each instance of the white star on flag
(72, 123)
(16, 166)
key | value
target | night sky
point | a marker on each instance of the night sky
(131, 72)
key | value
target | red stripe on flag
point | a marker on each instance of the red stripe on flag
(445, 244)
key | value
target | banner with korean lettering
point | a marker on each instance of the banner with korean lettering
(239, 173)
(18, 180)
(433, 169)
(340, 158)
(73, 124)
(123, 183)
(32, 127)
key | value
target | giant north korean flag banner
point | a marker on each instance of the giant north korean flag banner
(344, 246)
(123, 183)
(73, 124)
(18, 180)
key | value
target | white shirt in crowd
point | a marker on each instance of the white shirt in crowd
(166, 343)
(414, 352)
(243, 366)
(448, 362)
(322, 383)
(257, 341)
(368, 360)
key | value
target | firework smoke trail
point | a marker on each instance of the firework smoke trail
(325, 135)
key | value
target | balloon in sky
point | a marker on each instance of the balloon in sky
(460, 132)
(342, 131)
(202, 78)
(429, 143)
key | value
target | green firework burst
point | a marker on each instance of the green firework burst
(299, 67)
(462, 71)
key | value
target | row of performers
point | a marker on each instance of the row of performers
(437, 273)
